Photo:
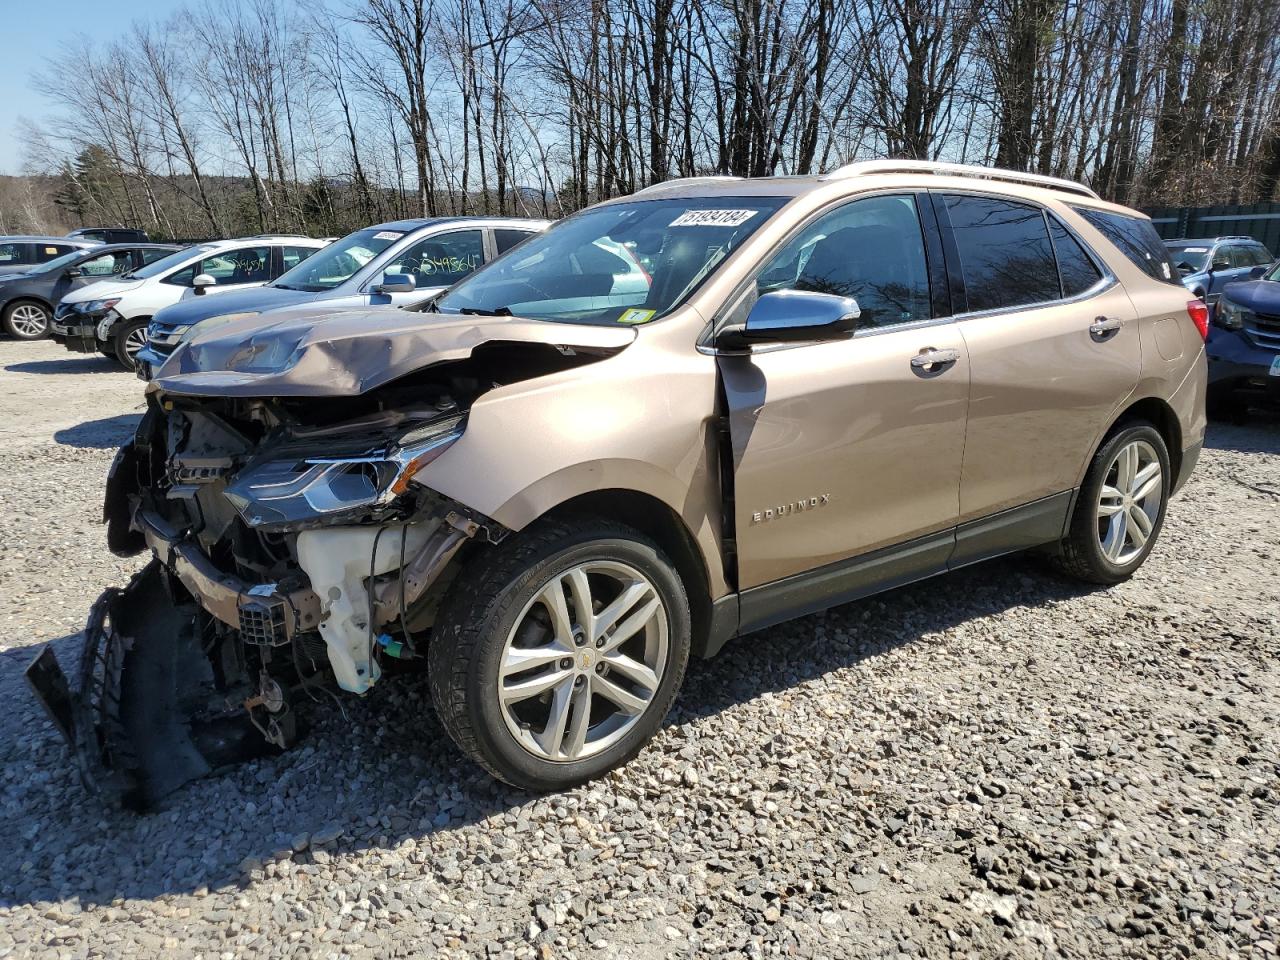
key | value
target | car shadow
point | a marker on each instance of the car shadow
(72, 364)
(1260, 433)
(379, 772)
(105, 434)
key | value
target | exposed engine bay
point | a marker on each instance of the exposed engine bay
(295, 559)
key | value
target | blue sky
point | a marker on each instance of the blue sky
(31, 31)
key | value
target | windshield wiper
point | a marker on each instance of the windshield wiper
(481, 312)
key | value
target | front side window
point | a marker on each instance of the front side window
(871, 250)
(1239, 256)
(1076, 269)
(1261, 256)
(66, 260)
(228, 267)
(107, 265)
(1006, 257)
(629, 262)
(441, 260)
(339, 261)
(1137, 239)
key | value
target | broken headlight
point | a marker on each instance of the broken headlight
(296, 489)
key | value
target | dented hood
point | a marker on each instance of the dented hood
(350, 352)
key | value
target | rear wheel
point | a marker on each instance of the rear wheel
(1120, 508)
(128, 340)
(27, 320)
(561, 655)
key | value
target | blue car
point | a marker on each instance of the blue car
(1209, 264)
(1244, 345)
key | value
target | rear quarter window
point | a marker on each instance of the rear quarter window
(1137, 239)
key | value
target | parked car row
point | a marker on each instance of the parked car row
(1240, 279)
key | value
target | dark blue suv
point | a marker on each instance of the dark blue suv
(1244, 345)
(1209, 264)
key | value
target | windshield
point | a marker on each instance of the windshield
(157, 267)
(1189, 258)
(339, 261)
(622, 263)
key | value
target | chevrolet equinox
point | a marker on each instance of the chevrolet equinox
(670, 420)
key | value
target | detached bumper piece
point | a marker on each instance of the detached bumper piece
(145, 715)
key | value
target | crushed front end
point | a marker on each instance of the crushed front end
(292, 555)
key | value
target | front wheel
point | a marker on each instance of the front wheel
(129, 339)
(558, 654)
(26, 320)
(1120, 508)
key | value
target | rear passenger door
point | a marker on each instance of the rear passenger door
(1053, 353)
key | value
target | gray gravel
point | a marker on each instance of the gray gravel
(994, 763)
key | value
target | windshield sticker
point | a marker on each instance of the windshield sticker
(387, 235)
(50, 251)
(1195, 249)
(636, 315)
(713, 218)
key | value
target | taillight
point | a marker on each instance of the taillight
(1198, 311)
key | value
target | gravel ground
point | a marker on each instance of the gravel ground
(993, 763)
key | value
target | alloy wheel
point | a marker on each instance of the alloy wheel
(1129, 502)
(135, 341)
(584, 661)
(29, 321)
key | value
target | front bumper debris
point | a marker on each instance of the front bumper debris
(145, 715)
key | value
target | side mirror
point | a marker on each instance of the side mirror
(396, 283)
(73, 272)
(787, 316)
(1220, 263)
(201, 281)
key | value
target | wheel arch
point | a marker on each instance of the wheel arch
(656, 520)
(1157, 412)
(27, 298)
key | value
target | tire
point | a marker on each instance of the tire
(27, 320)
(1085, 554)
(124, 342)
(504, 588)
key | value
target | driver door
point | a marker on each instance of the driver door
(847, 453)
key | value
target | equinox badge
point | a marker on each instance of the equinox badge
(787, 509)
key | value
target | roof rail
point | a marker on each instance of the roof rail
(868, 167)
(684, 181)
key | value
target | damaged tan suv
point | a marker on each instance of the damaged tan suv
(673, 419)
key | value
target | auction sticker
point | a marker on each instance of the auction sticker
(713, 218)
(636, 315)
(387, 235)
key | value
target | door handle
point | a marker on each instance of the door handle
(932, 360)
(1104, 328)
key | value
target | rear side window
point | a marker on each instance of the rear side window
(151, 256)
(51, 251)
(1006, 257)
(1261, 255)
(10, 253)
(292, 256)
(1076, 268)
(506, 239)
(1137, 239)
